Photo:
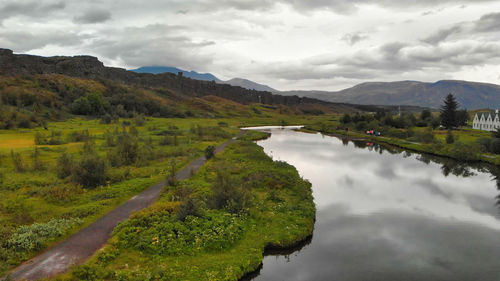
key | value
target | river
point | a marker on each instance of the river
(386, 214)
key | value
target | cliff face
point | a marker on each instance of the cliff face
(91, 68)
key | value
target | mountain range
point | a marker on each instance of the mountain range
(470, 95)
(244, 83)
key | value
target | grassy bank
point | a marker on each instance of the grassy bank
(465, 146)
(214, 226)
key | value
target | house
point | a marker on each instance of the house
(486, 121)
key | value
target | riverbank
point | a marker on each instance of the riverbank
(463, 151)
(214, 226)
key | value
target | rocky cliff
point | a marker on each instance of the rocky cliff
(91, 68)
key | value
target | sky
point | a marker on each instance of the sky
(286, 44)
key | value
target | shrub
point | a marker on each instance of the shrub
(210, 152)
(38, 165)
(190, 207)
(397, 133)
(64, 166)
(90, 171)
(495, 146)
(127, 150)
(484, 143)
(229, 195)
(426, 136)
(464, 151)
(171, 175)
(162, 234)
(17, 161)
(139, 120)
(79, 136)
(449, 138)
(31, 237)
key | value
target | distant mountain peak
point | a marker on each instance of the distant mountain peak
(170, 69)
(241, 82)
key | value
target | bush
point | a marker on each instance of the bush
(425, 137)
(90, 171)
(17, 161)
(38, 165)
(229, 195)
(464, 151)
(210, 152)
(31, 237)
(162, 234)
(190, 207)
(495, 146)
(64, 166)
(139, 120)
(449, 138)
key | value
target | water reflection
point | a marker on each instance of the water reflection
(387, 214)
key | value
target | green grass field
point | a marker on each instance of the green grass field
(39, 196)
(218, 243)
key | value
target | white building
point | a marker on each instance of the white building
(486, 121)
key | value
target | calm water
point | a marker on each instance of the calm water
(384, 214)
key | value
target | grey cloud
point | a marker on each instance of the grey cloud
(31, 9)
(353, 38)
(156, 44)
(443, 34)
(93, 16)
(488, 23)
(388, 60)
(22, 41)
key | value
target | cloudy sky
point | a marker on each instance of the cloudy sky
(286, 44)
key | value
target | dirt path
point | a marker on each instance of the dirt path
(83, 244)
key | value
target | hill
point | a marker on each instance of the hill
(247, 84)
(169, 69)
(36, 89)
(471, 95)
(240, 82)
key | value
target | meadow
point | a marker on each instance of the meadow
(43, 202)
(213, 226)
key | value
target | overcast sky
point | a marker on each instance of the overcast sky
(286, 44)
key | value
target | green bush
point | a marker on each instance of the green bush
(17, 161)
(449, 138)
(190, 207)
(31, 237)
(228, 194)
(210, 152)
(160, 233)
(90, 171)
(464, 151)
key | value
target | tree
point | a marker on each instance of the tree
(462, 117)
(449, 112)
(346, 118)
(496, 133)
(426, 114)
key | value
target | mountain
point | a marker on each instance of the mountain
(175, 70)
(247, 84)
(240, 82)
(471, 95)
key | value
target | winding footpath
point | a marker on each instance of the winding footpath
(83, 244)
